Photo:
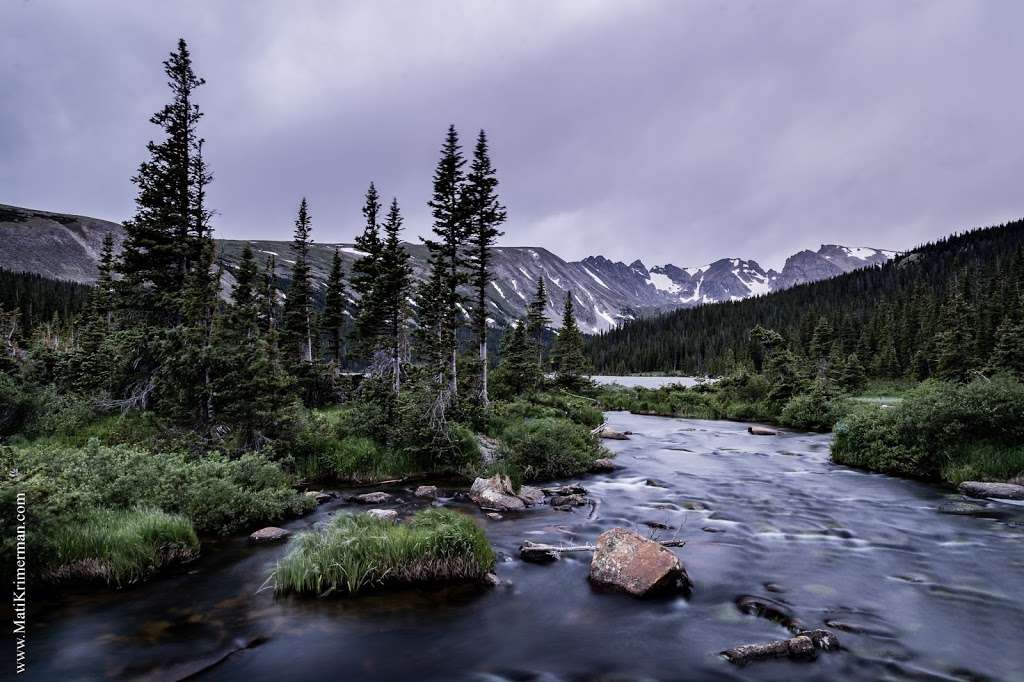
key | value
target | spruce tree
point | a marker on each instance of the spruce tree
(297, 336)
(954, 342)
(1008, 355)
(392, 293)
(537, 322)
(484, 213)
(250, 390)
(447, 257)
(569, 359)
(517, 372)
(334, 310)
(853, 378)
(166, 233)
(364, 272)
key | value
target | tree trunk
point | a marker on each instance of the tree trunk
(484, 399)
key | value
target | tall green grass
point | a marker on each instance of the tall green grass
(356, 553)
(120, 547)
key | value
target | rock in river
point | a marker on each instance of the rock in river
(319, 496)
(612, 434)
(373, 498)
(427, 491)
(496, 493)
(603, 466)
(630, 563)
(1006, 491)
(384, 514)
(761, 431)
(265, 536)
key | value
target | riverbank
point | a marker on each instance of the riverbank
(868, 556)
(934, 430)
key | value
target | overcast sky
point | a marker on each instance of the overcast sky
(668, 131)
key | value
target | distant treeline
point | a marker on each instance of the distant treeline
(944, 309)
(38, 299)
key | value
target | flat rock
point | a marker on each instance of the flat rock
(319, 496)
(384, 514)
(427, 491)
(494, 516)
(373, 498)
(268, 535)
(627, 562)
(1005, 491)
(761, 431)
(964, 509)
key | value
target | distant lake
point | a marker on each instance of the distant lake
(646, 382)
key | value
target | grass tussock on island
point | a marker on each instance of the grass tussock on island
(120, 547)
(359, 553)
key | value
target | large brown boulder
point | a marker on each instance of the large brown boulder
(630, 563)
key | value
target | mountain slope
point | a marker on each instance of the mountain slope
(890, 316)
(606, 293)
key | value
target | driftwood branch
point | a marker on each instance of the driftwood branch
(537, 552)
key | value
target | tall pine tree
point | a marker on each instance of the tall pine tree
(166, 234)
(364, 272)
(484, 213)
(392, 293)
(447, 257)
(569, 360)
(537, 322)
(297, 336)
(334, 310)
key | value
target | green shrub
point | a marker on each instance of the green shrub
(218, 494)
(550, 448)
(818, 410)
(119, 547)
(940, 430)
(356, 553)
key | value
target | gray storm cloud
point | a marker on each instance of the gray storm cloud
(667, 131)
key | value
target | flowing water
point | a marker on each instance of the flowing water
(912, 593)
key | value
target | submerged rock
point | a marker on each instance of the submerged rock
(773, 610)
(575, 500)
(373, 498)
(627, 562)
(268, 535)
(1006, 491)
(761, 431)
(384, 514)
(965, 509)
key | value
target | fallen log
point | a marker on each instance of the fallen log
(540, 553)
(803, 647)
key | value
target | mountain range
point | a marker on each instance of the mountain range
(606, 293)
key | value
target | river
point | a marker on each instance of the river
(912, 594)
